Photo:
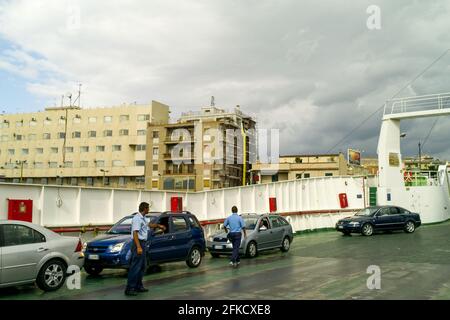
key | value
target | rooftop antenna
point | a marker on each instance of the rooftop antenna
(79, 96)
(212, 102)
(69, 95)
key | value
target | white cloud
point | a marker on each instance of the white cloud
(312, 69)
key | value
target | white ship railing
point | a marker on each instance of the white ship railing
(417, 104)
(421, 178)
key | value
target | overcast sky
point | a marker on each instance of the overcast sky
(312, 69)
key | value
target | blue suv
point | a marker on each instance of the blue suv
(183, 240)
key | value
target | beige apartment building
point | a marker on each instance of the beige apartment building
(293, 167)
(203, 150)
(76, 146)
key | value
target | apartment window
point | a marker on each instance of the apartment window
(46, 136)
(68, 164)
(39, 150)
(124, 117)
(100, 163)
(100, 149)
(61, 135)
(106, 181)
(5, 137)
(84, 164)
(328, 174)
(29, 181)
(69, 149)
(117, 163)
(33, 123)
(53, 150)
(140, 163)
(117, 147)
(107, 133)
(141, 132)
(92, 134)
(62, 120)
(107, 119)
(123, 132)
(84, 149)
(53, 164)
(92, 119)
(155, 151)
(47, 122)
(38, 165)
(306, 175)
(76, 134)
(19, 137)
(122, 181)
(143, 117)
(89, 181)
(77, 119)
(31, 136)
(155, 167)
(24, 151)
(19, 123)
(44, 181)
(155, 134)
(155, 184)
(59, 181)
(73, 181)
(141, 147)
(5, 124)
(298, 176)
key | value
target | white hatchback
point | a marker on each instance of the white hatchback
(31, 253)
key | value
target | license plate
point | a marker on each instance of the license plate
(93, 257)
(341, 227)
(218, 247)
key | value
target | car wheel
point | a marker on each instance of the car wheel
(215, 255)
(410, 227)
(52, 275)
(93, 270)
(286, 244)
(252, 249)
(367, 229)
(194, 258)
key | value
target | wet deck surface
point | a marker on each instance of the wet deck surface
(323, 265)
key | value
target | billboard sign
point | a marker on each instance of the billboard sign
(354, 157)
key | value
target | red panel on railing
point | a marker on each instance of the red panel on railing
(273, 204)
(176, 204)
(21, 210)
(343, 200)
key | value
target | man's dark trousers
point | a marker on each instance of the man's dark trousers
(138, 265)
(236, 241)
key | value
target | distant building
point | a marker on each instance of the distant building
(293, 167)
(82, 147)
(426, 163)
(206, 138)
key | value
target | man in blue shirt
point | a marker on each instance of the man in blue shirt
(236, 225)
(138, 260)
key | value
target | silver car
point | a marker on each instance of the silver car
(266, 231)
(30, 253)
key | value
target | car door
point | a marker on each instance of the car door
(181, 237)
(160, 243)
(23, 248)
(397, 218)
(264, 237)
(276, 232)
(383, 219)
